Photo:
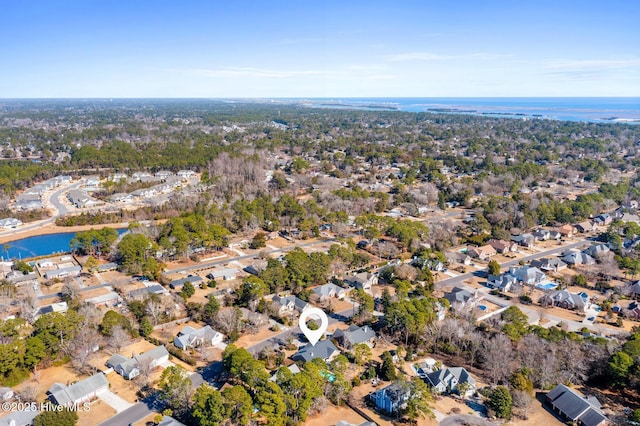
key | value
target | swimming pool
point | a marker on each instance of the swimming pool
(482, 307)
(547, 286)
(328, 375)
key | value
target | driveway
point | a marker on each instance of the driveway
(114, 401)
(465, 419)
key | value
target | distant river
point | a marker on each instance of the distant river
(40, 245)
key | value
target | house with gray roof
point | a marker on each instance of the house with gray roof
(82, 391)
(524, 240)
(293, 369)
(190, 337)
(529, 275)
(19, 418)
(141, 293)
(346, 423)
(597, 250)
(574, 257)
(329, 291)
(503, 282)
(456, 257)
(179, 283)
(68, 271)
(129, 368)
(460, 298)
(566, 299)
(549, 264)
(224, 273)
(446, 380)
(574, 407)
(363, 280)
(288, 304)
(392, 398)
(355, 335)
(81, 199)
(324, 349)
(170, 421)
(19, 279)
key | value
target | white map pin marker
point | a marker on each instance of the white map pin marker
(313, 335)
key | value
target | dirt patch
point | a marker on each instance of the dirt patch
(125, 389)
(332, 415)
(45, 378)
(99, 412)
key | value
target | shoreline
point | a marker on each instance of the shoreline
(55, 229)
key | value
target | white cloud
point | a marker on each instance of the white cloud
(429, 56)
(592, 64)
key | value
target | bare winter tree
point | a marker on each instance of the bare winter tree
(154, 309)
(406, 272)
(83, 347)
(28, 306)
(91, 315)
(498, 358)
(70, 290)
(29, 392)
(145, 368)
(228, 320)
(523, 401)
(118, 339)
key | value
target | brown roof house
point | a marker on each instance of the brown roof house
(566, 230)
(483, 253)
(502, 246)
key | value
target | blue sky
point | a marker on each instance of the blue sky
(134, 48)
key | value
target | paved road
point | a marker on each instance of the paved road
(147, 406)
(58, 206)
(207, 265)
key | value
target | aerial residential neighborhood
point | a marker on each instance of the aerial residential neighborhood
(299, 213)
(432, 312)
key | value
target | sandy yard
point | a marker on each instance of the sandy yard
(94, 293)
(168, 332)
(332, 415)
(147, 420)
(99, 412)
(125, 389)
(64, 374)
(248, 340)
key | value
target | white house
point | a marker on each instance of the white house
(129, 368)
(190, 337)
(10, 223)
(82, 391)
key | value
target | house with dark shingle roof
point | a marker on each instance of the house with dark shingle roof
(193, 279)
(324, 349)
(288, 304)
(363, 280)
(459, 298)
(549, 264)
(391, 398)
(355, 335)
(575, 407)
(82, 391)
(447, 380)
